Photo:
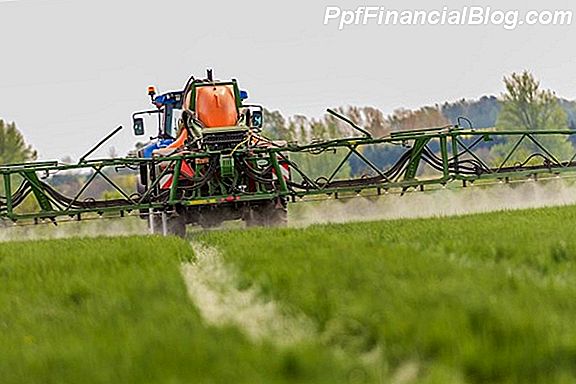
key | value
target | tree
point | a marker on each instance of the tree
(425, 117)
(482, 112)
(274, 125)
(13, 148)
(319, 164)
(527, 107)
(369, 118)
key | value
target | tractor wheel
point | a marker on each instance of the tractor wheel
(278, 217)
(271, 214)
(210, 220)
(253, 219)
(175, 225)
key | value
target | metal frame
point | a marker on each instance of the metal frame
(451, 154)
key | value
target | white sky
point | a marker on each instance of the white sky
(73, 70)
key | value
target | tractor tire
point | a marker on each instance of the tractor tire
(271, 214)
(175, 225)
(210, 220)
(278, 218)
(253, 219)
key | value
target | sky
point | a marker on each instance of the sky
(73, 70)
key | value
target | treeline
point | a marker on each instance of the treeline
(482, 112)
(303, 129)
(15, 150)
(524, 106)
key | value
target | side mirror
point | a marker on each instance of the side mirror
(256, 119)
(138, 125)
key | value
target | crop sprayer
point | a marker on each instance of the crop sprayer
(210, 163)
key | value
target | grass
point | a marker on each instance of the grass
(475, 299)
(116, 311)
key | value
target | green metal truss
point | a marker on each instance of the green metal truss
(251, 174)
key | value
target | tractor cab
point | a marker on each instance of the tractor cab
(168, 111)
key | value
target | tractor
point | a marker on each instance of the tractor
(210, 162)
(209, 118)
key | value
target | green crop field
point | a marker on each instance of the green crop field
(474, 299)
(116, 311)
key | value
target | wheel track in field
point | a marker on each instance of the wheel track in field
(212, 286)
